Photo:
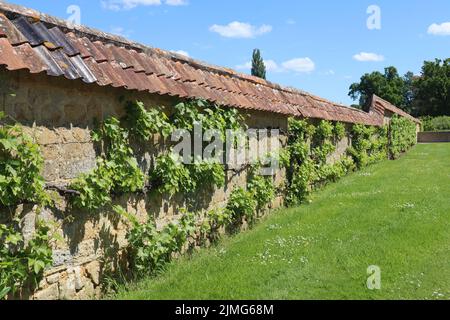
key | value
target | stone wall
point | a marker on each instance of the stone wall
(433, 137)
(59, 114)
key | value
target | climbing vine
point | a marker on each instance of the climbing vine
(145, 123)
(306, 158)
(22, 263)
(369, 144)
(241, 204)
(117, 170)
(151, 249)
(261, 187)
(20, 167)
(402, 135)
(170, 175)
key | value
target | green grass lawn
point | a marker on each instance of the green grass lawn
(395, 215)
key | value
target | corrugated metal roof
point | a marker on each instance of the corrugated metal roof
(40, 43)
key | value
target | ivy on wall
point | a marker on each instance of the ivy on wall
(117, 169)
(369, 144)
(306, 155)
(402, 136)
(20, 167)
(309, 146)
(22, 263)
(306, 159)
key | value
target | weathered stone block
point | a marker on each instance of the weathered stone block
(50, 293)
(93, 271)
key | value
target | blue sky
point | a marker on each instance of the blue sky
(319, 46)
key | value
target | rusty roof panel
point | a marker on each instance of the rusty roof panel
(62, 41)
(8, 29)
(120, 57)
(83, 70)
(53, 68)
(184, 74)
(156, 85)
(30, 58)
(174, 88)
(159, 67)
(34, 37)
(145, 62)
(27, 43)
(140, 64)
(77, 43)
(99, 74)
(172, 72)
(132, 60)
(50, 41)
(110, 73)
(125, 76)
(102, 50)
(9, 57)
(93, 50)
(70, 70)
(140, 79)
(195, 74)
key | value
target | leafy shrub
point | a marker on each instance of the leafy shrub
(241, 205)
(94, 188)
(171, 176)
(151, 249)
(22, 264)
(300, 182)
(146, 123)
(261, 187)
(20, 168)
(117, 170)
(369, 144)
(402, 135)
(324, 131)
(436, 124)
(207, 172)
(339, 131)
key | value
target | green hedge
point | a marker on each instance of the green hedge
(402, 136)
(436, 124)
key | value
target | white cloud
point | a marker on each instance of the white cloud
(271, 66)
(442, 29)
(181, 52)
(368, 56)
(176, 2)
(245, 66)
(117, 5)
(299, 65)
(238, 29)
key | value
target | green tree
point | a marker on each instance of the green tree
(432, 89)
(258, 66)
(389, 86)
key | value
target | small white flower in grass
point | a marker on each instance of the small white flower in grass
(406, 205)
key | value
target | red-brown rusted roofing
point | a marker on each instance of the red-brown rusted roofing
(40, 43)
(379, 103)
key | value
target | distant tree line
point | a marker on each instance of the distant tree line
(427, 94)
